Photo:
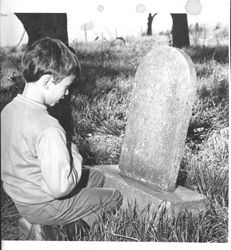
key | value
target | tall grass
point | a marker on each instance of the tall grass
(99, 112)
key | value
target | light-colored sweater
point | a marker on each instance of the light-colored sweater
(35, 162)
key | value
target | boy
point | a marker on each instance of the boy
(45, 180)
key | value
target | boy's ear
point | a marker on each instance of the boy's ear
(47, 80)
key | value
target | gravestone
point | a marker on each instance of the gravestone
(159, 114)
(158, 118)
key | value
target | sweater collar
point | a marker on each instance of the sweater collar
(32, 102)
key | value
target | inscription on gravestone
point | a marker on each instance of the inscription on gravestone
(159, 114)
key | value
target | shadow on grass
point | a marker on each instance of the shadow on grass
(98, 80)
(201, 54)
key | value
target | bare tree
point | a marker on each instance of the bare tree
(150, 19)
(180, 33)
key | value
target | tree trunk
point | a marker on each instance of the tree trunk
(180, 33)
(150, 19)
(54, 25)
(38, 25)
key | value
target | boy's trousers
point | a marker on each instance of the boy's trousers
(87, 201)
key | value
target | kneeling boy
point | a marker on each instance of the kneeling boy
(44, 179)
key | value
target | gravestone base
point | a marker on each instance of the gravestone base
(138, 193)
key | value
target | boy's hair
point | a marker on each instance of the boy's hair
(49, 56)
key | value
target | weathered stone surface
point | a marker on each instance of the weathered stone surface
(136, 192)
(158, 119)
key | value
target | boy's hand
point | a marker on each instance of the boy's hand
(74, 148)
(77, 160)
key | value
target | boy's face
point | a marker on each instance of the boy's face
(57, 91)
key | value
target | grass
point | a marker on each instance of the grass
(131, 225)
(99, 114)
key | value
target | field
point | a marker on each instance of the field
(99, 112)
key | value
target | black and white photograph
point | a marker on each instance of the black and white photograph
(114, 123)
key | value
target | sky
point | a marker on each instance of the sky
(109, 18)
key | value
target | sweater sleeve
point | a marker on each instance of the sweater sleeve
(77, 160)
(58, 177)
